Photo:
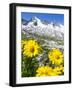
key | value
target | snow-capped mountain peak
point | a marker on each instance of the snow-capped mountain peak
(36, 26)
(35, 19)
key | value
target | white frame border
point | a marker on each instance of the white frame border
(19, 79)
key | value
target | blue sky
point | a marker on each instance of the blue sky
(56, 18)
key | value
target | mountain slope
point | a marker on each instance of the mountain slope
(50, 33)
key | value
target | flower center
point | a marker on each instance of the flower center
(32, 49)
(57, 56)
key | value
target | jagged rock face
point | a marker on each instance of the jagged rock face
(50, 33)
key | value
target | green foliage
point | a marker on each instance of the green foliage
(29, 67)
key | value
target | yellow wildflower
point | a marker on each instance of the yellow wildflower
(44, 71)
(59, 70)
(49, 71)
(31, 48)
(56, 56)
